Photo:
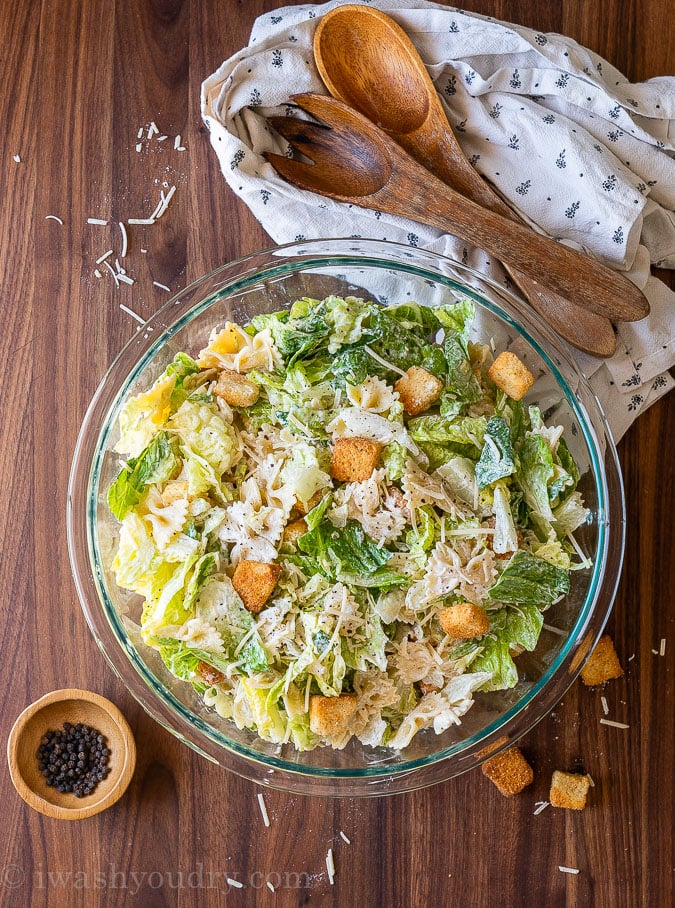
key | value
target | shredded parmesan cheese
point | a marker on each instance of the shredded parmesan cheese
(98, 221)
(125, 243)
(152, 129)
(263, 810)
(163, 203)
(614, 724)
(140, 132)
(128, 310)
(140, 221)
(554, 630)
(270, 886)
(235, 883)
(591, 782)
(344, 838)
(53, 217)
(139, 147)
(568, 869)
(113, 272)
(161, 286)
(540, 805)
(382, 362)
(97, 273)
(662, 649)
(103, 257)
(162, 138)
(17, 158)
(330, 866)
(605, 707)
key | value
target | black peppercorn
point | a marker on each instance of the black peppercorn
(73, 758)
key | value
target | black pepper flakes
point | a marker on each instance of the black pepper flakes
(73, 758)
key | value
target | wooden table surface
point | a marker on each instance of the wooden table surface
(79, 77)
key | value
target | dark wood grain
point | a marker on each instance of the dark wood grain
(79, 77)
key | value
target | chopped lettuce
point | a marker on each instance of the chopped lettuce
(509, 627)
(496, 458)
(529, 580)
(153, 465)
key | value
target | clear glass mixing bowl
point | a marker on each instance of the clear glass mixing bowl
(390, 273)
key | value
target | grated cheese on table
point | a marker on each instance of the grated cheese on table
(662, 648)
(130, 311)
(125, 242)
(270, 886)
(17, 158)
(53, 217)
(344, 838)
(568, 869)
(605, 707)
(540, 805)
(103, 257)
(162, 286)
(235, 883)
(614, 724)
(330, 866)
(263, 809)
(100, 222)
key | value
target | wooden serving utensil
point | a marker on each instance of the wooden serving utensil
(355, 162)
(394, 90)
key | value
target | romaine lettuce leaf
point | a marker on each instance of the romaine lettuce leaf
(153, 465)
(342, 552)
(496, 458)
(528, 580)
(203, 430)
(509, 627)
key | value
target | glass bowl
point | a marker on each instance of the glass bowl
(387, 273)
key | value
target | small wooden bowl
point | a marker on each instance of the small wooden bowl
(49, 713)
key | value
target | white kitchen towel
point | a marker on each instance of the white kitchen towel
(572, 145)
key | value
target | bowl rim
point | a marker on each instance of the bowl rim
(351, 254)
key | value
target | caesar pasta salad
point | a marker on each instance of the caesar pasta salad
(343, 520)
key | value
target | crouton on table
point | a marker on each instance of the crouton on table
(254, 581)
(509, 771)
(603, 663)
(354, 459)
(236, 389)
(418, 390)
(569, 789)
(511, 375)
(464, 620)
(329, 715)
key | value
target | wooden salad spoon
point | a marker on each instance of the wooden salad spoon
(393, 90)
(355, 162)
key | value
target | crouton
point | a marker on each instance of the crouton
(418, 390)
(254, 581)
(209, 674)
(509, 771)
(603, 663)
(303, 508)
(511, 375)
(354, 459)
(174, 490)
(464, 620)
(329, 715)
(569, 790)
(236, 389)
(294, 530)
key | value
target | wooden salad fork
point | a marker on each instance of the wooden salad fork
(354, 161)
(394, 90)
